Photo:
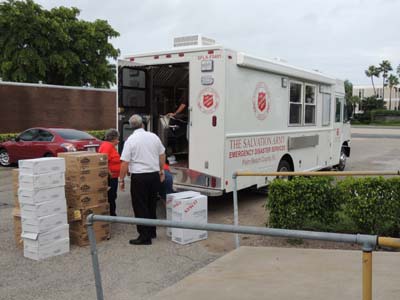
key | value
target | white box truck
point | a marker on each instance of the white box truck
(243, 113)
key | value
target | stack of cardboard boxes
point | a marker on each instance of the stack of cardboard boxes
(43, 207)
(187, 207)
(86, 193)
(16, 211)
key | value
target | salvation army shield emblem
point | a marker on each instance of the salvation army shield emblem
(261, 101)
(208, 100)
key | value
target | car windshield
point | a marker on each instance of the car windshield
(72, 134)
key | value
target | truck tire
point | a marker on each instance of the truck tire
(342, 160)
(284, 166)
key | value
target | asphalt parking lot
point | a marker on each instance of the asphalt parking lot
(138, 272)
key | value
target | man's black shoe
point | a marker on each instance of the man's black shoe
(140, 241)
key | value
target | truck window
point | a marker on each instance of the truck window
(309, 116)
(296, 90)
(326, 109)
(338, 110)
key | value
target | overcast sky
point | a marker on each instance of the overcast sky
(338, 37)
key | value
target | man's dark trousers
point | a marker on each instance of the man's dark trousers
(144, 194)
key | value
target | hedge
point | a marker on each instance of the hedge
(353, 205)
(96, 133)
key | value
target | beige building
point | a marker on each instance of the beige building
(364, 91)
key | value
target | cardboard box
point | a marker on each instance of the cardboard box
(80, 214)
(53, 249)
(175, 196)
(37, 210)
(83, 160)
(80, 228)
(43, 224)
(37, 240)
(42, 165)
(194, 210)
(18, 231)
(73, 189)
(87, 200)
(82, 239)
(42, 195)
(15, 179)
(43, 181)
(88, 175)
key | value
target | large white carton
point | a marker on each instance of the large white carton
(37, 210)
(37, 240)
(42, 181)
(53, 249)
(42, 165)
(176, 196)
(43, 224)
(193, 210)
(42, 195)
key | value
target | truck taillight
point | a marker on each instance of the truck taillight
(210, 51)
(181, 54)
(168, 56)
(132, 59)
(213, 182)
(156, 56)
(214, 121)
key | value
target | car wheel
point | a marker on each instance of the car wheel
(49, 155)
(342, 160)
(4, 158)
(284, 166)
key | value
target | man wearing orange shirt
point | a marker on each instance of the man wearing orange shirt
(114, 165)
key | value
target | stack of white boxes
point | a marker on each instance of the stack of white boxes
(41, 194)
(187, 207)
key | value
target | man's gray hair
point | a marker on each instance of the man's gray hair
(136, 121)
(111, 134)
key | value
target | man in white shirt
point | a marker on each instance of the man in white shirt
(144, 156)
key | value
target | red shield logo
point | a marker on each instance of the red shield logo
(208, 100)
(262, 101)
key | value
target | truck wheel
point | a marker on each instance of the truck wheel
(284, 166)
(342, 160)
(4, 158)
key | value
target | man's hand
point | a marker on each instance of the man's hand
(162, 176)
(122, 185)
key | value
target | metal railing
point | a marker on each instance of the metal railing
(368, 243)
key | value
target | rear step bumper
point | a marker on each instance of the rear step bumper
(204, 191)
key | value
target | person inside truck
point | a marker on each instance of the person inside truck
(183, 103)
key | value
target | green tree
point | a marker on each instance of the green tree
(54, 46)
(392, 82)
(371, 103)
(384, 68)
(372, 72)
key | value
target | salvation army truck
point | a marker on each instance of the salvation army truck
(240, 113)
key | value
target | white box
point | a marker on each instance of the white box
(43, 181)
(53, 249)
(37, 240)
(41, 165)
(42, 195)
(193, 210)
(37, 210)
(172, 197)
(43, 224)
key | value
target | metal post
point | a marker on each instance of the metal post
(367, 275)
(95, 260)
(235, 209)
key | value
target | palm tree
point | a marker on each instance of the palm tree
(392, 81)
(372, 72)
(384, 68)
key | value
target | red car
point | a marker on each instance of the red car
(40, 142)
